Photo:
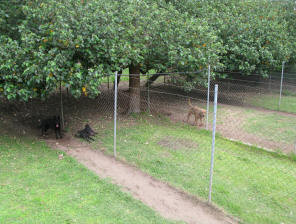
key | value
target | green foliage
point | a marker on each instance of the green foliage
(290, 16)
(10, 16)
(49, 51)
(75, 42)
(45, 42)
(256, 34)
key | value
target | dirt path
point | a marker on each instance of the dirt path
(169, 202)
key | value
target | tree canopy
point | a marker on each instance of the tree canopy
(257, 35)
(45, 43)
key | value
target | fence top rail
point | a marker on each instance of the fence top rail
(165, 73)
(274, 77)
(172, 94)
(273, 82)
(254, 74)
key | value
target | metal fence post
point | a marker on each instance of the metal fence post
(115, 113)
(208, 99)
(281, 88)
(213, 142)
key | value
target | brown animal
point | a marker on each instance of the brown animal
(198, 113)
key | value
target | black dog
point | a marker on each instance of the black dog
(89, 130)
(86, 133)
(51, 123)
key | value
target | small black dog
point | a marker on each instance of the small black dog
(89, 130)
(86, 133)
(53, 123)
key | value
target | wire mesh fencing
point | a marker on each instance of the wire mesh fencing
(253, 114)
(254, 110)
(245, 113)
(161, 139)
(250, 169)
(249, 182)
(167, 141)
(256, 185)
(264, 93)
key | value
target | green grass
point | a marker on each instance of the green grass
(250, 183)
(271, 102)
(37, 187)
(125, 72)
(267, 126)
(270, 126)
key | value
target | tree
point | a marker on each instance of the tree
(75, 42)
(10, 17)
(288, 10)
(59, 42)
(253, 33)
(154, 35)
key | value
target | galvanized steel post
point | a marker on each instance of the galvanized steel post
(213, 142)
(115, 112)
(281, 87)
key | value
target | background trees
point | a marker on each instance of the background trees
(256, 34)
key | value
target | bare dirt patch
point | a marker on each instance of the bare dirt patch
(177, 143)
(168, 201)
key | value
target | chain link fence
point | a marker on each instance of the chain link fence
(255, 112)
(253, 179)
(254, 184)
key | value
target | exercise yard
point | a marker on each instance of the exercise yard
(250, 183)
(144, 151)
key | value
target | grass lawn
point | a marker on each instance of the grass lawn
(271, 126)
(252, 184)
(37, 187)
(271, 102)
(125, 72)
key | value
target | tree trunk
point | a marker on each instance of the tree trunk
(134, 89)
(62, 107)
